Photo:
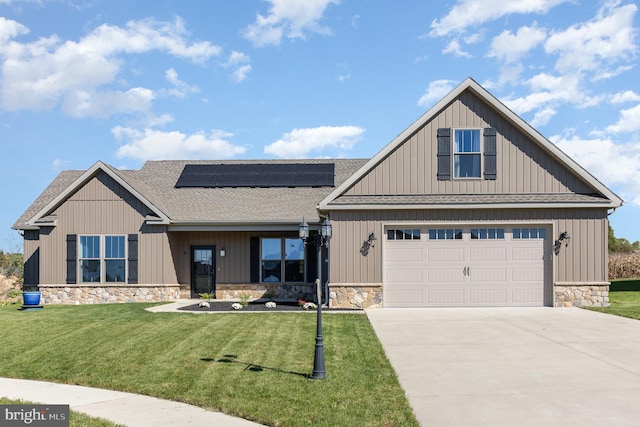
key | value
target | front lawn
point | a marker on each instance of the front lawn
(252, 365)
(624, 297)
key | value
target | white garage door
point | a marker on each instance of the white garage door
(466, 266)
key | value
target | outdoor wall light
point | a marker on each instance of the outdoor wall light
(367, 244)
(223, 253)
(372, 240)
(563, 238)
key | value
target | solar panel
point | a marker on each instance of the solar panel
(258, 175)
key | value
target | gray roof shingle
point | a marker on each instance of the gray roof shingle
(219, 206)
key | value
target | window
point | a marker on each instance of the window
(445, 234)
(466, 153)
(115, 261)
(102, 259)
(282, 259)
(403, 234)
(530, 233)
(487, 233)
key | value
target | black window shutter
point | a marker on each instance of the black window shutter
(132, 258)
(444, 154)
(490, 154)
(72, 240)
(254, 259)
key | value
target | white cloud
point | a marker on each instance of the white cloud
(437, 90)
(239, 62)
(149, 144)
(455, 48)
(509, 47)
(598, 156)
(290, 18)
(598, 45)
(101, 104)
(626, 96)
(49, 72)
(300, 143)
(549, 90)
(180, 89)
(542, 117)
(10, 29)
(470, 13)
(629, 121)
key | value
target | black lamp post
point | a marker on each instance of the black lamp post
(322, 240)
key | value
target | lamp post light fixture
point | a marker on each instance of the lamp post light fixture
(321, 240)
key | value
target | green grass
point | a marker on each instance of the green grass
(252, 365)
(76, 419)
(624, 299)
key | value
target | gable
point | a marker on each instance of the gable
(522, 166)
(521, 162)
(101, 205)
(40, 212)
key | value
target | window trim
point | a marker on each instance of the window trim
(455, 153)
(283, 260)
(404, 233)
(102, 259)
(541, 233)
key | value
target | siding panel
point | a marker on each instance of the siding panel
(522, 165)
(573, 264)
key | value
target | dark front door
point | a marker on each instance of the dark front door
(203, 270)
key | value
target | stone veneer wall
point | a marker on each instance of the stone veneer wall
(341, 295)
(81, 294)
(581, 294)
(277, 292)
(350, 295)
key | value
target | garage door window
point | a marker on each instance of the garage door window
(445, 234)
(403, 234)
(530, 233)
(487, 233)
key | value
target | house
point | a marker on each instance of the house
(468, 206)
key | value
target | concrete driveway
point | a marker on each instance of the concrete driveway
(514, 366)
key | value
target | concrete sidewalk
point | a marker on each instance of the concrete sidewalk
(129, 409)
(514, 366)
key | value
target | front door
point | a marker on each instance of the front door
(203, 270)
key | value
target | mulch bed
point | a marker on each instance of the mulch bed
(224, 306)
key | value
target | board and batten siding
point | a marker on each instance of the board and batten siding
(102, 206)
(522, 165)
(234, 267)
(584, 260)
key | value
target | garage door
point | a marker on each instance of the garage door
(466, 266)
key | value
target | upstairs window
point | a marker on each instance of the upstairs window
(466, 153)
(474, 155)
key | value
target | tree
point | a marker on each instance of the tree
(621, 245)
(11, 264)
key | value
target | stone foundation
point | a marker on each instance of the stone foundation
(341, 295)
(103, 294)
(581, 294)
(354, 296)
(276, 292)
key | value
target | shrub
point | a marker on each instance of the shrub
(244, 299)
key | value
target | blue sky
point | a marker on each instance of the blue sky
(127, 81)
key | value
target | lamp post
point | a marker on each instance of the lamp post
(322, 240)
